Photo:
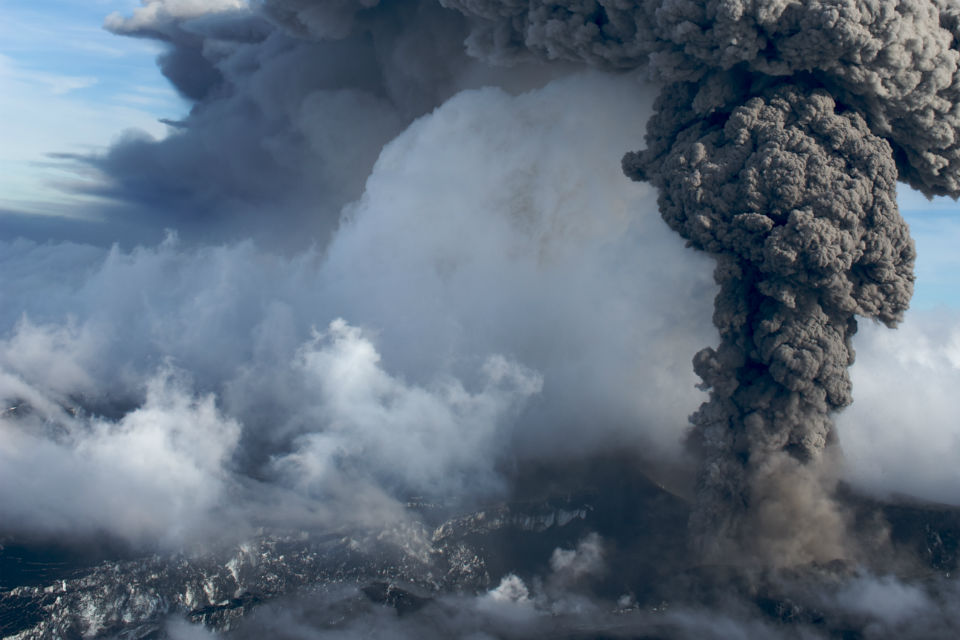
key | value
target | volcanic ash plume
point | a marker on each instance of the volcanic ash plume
(781, 131)
(797, 202)
(783, 167)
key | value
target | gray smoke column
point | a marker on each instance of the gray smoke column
(779, 136)
(796, 199)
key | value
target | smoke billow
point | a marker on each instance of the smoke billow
(783, 166)
(798, 203)
(778, 138)
(895, 62)
(292, 103)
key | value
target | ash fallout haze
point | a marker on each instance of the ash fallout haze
(376, 319)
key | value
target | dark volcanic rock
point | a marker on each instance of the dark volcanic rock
(439, 551)
(403, 600)
(931, 531)
(414, 568)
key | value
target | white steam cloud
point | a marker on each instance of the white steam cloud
(488, 300)
(905, 385)
(501, 299)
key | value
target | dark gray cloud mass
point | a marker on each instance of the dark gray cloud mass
(895, 61)
(779, 136)
(781, 160)
(261, 142)
(292, 102)
(798, 203)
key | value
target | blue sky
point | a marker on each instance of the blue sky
(70, 86)
(935, 226)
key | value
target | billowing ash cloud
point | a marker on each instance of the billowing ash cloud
(776, 145)
(777, 167)
(895, 62)
(798, 203)
(294, 99)
(292, 103)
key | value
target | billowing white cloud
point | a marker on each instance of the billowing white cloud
(154, 475)
(492, 312)
(901, 435)
(437, 441)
